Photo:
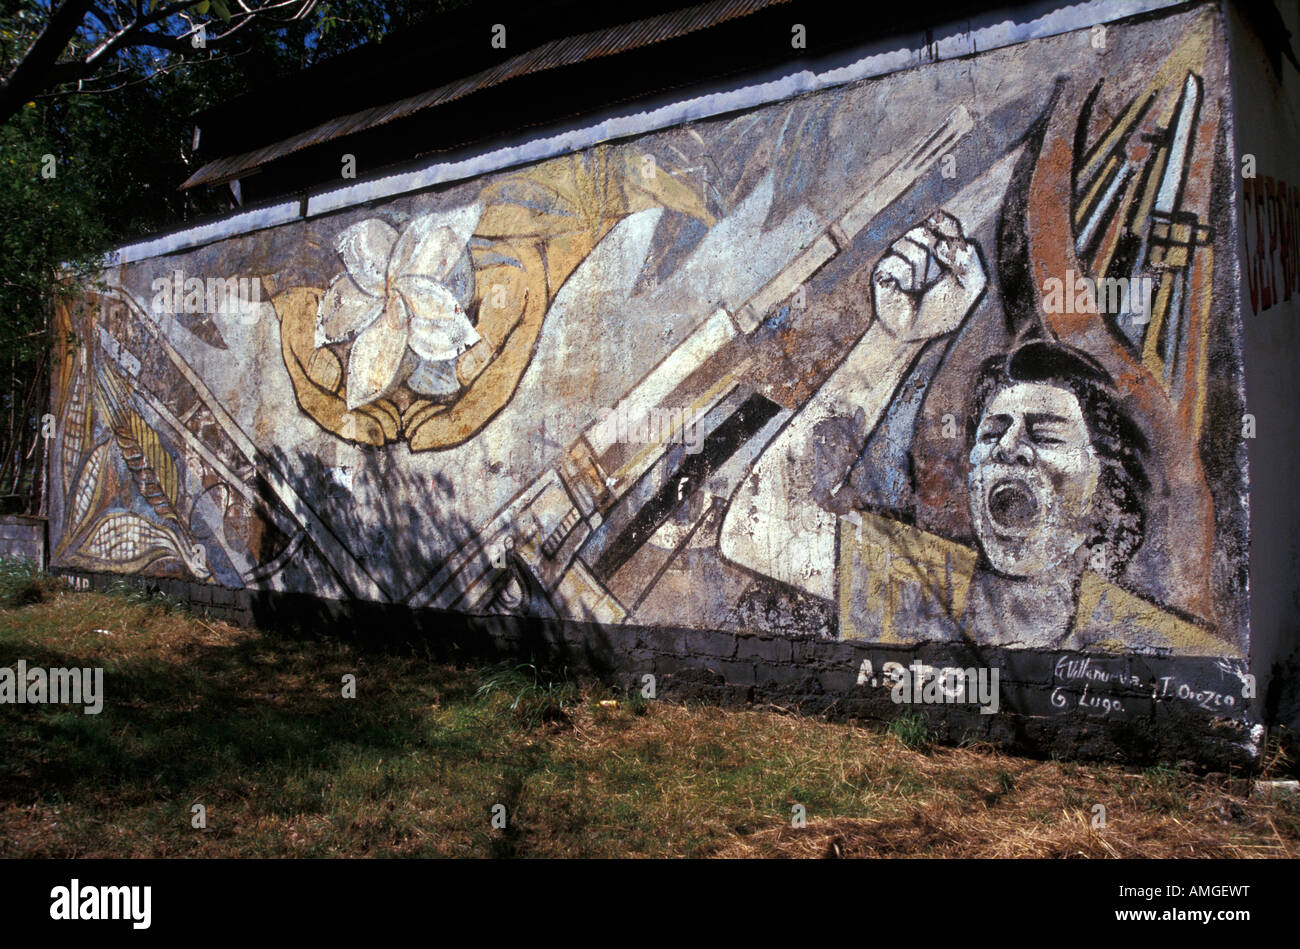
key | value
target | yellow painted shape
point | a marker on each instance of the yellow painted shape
(296, 309)
(1111, 614)
(1150, 351)
(883, 559)
(1202, 335)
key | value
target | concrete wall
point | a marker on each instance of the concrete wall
(937, 369)
(1266, 126)
(23, 537)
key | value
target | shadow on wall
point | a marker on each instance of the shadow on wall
(440, 635)
(391, 524)
(402, 529)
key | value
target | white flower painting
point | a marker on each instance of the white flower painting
(393, 303)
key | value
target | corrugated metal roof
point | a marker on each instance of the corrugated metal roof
(552, 55)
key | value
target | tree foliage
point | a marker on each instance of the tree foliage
(91, 158)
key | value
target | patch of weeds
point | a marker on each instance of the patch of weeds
(912, 730)
(529, 695)
(173, 604)
(1165, 790)
(635, 702)
(975, 741)
(1004, 784)
(1276, 761)
(148, 596)
(614, 704)
(1161, 775)
(23, 582)
(1286, 813)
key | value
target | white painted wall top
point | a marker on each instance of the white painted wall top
(951, 41)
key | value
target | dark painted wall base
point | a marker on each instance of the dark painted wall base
(1141, 709)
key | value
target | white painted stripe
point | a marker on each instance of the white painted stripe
(785, 283)
(244, 222)
(1176, 165)
(879, 196)
(1121, 179)
(705, 340)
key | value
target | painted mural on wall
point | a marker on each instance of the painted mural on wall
(943, 355)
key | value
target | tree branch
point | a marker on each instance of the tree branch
(40, 69)
(28, 77)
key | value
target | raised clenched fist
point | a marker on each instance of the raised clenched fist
(928, 280)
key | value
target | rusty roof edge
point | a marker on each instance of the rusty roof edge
(565, 51)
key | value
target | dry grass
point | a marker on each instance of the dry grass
(256, 730)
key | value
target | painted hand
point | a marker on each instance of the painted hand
(928, 280)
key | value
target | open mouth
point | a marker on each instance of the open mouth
(1013, 505)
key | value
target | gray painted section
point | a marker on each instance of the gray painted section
(1266, 124)
(23, 537)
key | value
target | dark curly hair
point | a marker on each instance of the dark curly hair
(1121, 516)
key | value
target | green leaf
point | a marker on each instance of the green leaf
(222, 10)
(202, 8)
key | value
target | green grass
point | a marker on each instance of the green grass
(911, 729)
(145, 596)
(534, 697)
(22, 582)
(256, 729)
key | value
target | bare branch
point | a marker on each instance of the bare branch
(118, 27)
(160, 71)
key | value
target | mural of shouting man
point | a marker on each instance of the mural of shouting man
(1055, 487)
(1054, 483)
